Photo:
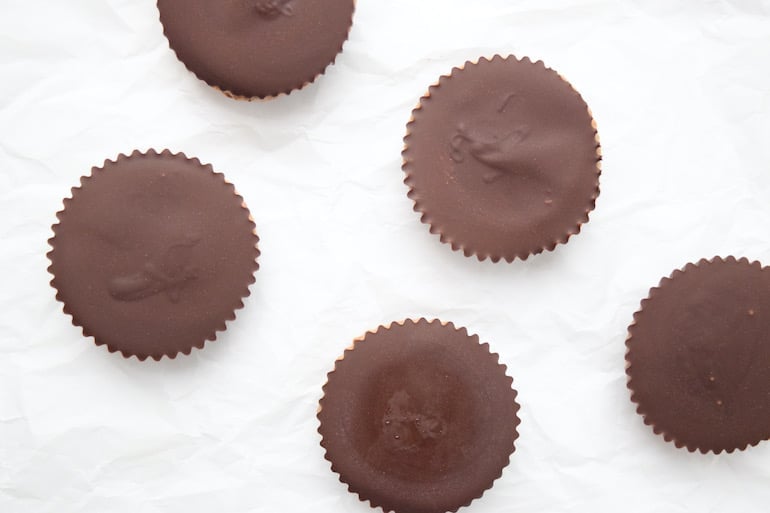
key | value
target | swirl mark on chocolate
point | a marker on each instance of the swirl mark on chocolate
(498, 152)
(271, 9)
(407, 430)
(503, 153)
(168, 274)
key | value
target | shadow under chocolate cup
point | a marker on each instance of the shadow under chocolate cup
(502, 159)
(698, 359)
(418, 417)
(152, 254)
(256, 49)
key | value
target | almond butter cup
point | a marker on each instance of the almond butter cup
(152, 254)
(256, 49)
(418, 417)
(698, 359)
(502, 159)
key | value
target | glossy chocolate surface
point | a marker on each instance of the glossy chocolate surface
(256, 48)
(699, 356)
(153, 254)
(419, 417)
(501, 158)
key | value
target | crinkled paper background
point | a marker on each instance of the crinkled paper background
(681, 93)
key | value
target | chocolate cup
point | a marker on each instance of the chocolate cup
(152, 254)
(257, 49)
(698, 358)
(502, 159)
(418, 416)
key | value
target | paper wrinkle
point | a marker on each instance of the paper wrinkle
(681, 95)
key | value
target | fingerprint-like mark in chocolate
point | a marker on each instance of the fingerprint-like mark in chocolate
(168, 274)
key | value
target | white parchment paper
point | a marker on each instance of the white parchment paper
(681, 93)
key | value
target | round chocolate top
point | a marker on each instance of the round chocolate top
(502, 159)
(256, 48)
(699, 356)
(419, 417)
(152, 254)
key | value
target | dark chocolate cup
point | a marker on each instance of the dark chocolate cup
(418, 416)
(492, 176)
(152, 254)
(698, 356)
(270, 23)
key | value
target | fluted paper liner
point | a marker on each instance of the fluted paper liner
(443, 227)
(353, 378)
(698, 356)
(162, 273)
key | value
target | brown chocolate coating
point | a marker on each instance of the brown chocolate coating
(256, 48)
(152, 254)
(419, 417)
(699, 356)
(502, 159)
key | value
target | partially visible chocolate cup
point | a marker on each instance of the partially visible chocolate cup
(256, 49)
(152, 254)
(698, 359)
(418, 417)
(502, 159)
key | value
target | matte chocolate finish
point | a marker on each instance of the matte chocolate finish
(699, 356)
(419, 417)
(502, 159)
(256, 48)
(153, 254)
